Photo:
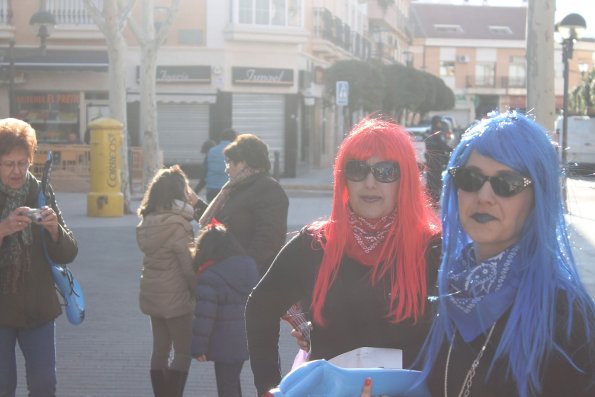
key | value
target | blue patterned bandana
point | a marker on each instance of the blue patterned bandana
(479, 294)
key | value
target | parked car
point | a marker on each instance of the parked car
(422, 130)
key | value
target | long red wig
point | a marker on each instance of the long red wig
(402, 256)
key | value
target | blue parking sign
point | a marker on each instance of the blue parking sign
(342, 93)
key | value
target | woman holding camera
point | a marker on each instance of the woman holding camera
(28, 301)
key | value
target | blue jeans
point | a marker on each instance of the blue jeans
(38, 348)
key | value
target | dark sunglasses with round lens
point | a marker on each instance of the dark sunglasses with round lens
(504, 184)
(383, 171)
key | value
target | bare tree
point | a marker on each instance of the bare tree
(150, 37)
(540, 63)
(111, 21)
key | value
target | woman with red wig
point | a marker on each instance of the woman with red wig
(366, 272)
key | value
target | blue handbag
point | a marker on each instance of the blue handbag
(67, 285)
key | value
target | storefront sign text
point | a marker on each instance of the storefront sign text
(262, 76)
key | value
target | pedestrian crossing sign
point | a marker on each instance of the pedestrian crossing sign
(342, 93)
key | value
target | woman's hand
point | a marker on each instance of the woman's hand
(49, 220)
(202, 358)
(300, 340)
(16, 221)
(367, 390)
(191, 196)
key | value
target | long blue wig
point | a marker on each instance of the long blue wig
(548, 264)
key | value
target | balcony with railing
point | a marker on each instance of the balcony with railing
(336, 39)
(5, 12)
(73, 21)
(503, 85)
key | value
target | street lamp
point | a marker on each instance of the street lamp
(42, 23)
(570, 29)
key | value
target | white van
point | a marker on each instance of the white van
(580, 142)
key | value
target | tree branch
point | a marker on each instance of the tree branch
(97, 16)
(125, 13)
(161, 34)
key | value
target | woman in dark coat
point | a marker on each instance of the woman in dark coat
(252, 205)
(28, 301)
(364, 274)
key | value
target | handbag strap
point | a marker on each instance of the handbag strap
(41, 201)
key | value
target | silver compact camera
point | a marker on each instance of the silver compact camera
(35, 215)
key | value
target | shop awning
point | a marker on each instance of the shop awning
(32, 59)
(176, 98)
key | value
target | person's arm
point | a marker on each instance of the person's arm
(182, 240)
(281, 287)
(270, 225)
(562, 378)
(202, 178)
(205, 314)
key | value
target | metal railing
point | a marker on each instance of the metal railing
(495, 82)
(71, 12)
(5, 12)
(71, 165)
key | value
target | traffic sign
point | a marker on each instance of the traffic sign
(342, 93)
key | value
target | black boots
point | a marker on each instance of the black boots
(158, 382)
(168, 383)
(176, 380)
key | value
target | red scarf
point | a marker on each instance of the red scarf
(367, 236)
(204, 266)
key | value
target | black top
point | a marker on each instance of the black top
(355, 312)
(559, 378)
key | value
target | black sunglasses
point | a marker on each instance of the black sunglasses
(383, 171)
(505, 184)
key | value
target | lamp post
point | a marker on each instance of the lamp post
(570, 28)
(11, 105)
(42, 23)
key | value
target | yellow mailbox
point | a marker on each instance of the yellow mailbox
(105, 197)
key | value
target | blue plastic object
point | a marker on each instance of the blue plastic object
(320, 378)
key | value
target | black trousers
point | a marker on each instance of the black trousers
(228, 379)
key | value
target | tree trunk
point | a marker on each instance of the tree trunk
(148, 103)
(109, 23)
(540, 63)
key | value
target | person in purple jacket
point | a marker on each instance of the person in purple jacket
(226, 275)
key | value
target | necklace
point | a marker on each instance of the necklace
(466, 388)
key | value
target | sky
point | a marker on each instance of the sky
(586, 8)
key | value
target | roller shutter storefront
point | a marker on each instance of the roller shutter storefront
(183, 127)
(264, 116)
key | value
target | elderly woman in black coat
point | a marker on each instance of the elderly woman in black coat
(252, 205)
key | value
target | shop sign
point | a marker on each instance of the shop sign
(262, 76)
(48, 99)
(181, 74)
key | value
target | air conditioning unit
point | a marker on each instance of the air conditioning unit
(462, 58)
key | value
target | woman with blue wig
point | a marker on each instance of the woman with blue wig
(514, 318)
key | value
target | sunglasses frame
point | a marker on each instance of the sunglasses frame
(374, 169)
(495, 182)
